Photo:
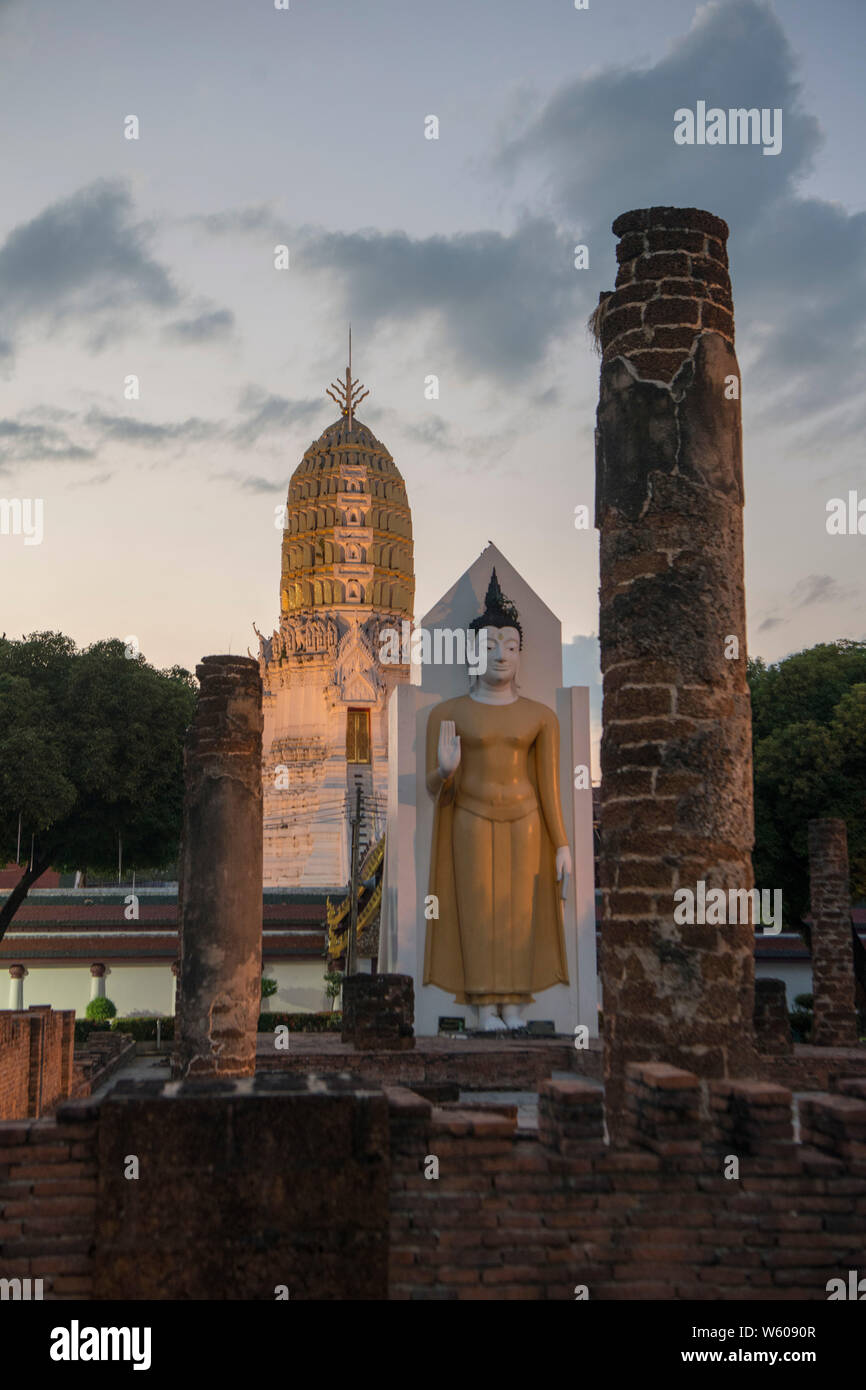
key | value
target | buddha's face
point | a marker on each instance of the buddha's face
(503, 657)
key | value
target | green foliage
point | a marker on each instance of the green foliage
(144, 1029)
(269, 987)
(805, 1001)
(333, 983)
(100, 1010)
(91, 745)
(801, 1021)
(302, 1023)
(83, 1029)
(809, 743)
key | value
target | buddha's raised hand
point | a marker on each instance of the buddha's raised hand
(449, 748)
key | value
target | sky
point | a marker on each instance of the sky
(154, 258)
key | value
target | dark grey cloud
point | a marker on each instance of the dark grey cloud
(87, 260)
(24, 441)
(265, 413)
(818, 588)
(811, 589)
(84, 257)
(252, 482)
(604, 144)
(98, 480)
(215, 325)
(53, 435)
(240, 221)
(126, 429)
(496, 301)
(434, 433)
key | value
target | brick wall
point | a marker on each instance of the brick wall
(511, 1215)
(100, 1057)
(48, 1200)
(473, 1064)
(514, 1216)
(36, 1060)
(243, 1186)
(14, 1064)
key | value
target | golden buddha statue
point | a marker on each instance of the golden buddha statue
(499, 843)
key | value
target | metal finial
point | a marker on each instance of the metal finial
(348, 394)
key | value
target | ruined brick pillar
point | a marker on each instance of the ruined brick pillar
(835, 1022)
(676, 799)
(220, 889)
(772, 1025)
(379, 1012)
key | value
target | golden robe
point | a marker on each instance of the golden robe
(497, 826)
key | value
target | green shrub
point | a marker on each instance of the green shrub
(302, 1023)
(269, 987)
(801, 1025)
(144, 1029)
(100, 1010)
(83, 1029)
(804, 1001)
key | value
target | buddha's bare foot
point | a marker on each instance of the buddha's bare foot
(489, 1020)
(513, 1016)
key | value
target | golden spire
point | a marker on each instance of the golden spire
(348, 394)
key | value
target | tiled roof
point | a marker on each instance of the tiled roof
(75, 926)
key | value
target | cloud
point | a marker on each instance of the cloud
(269, 414)
(22, 441)
(818, 588)
(126, 429)
(98, 480)
(603, 144)
(83, 257)
(241, 221)
(495, 302)
(48, 434)
(813, 588)
(252, 482)
(206, 328)
(434, 433)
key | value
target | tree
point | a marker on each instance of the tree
(91, 754)
(809, 744)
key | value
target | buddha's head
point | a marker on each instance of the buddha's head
(503, 657)
(498, 665)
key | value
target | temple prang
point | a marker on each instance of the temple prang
(347, 575)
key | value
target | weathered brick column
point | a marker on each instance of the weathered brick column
(835, 1022)
(676, 801)
(221, 874)
(772, 1024)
